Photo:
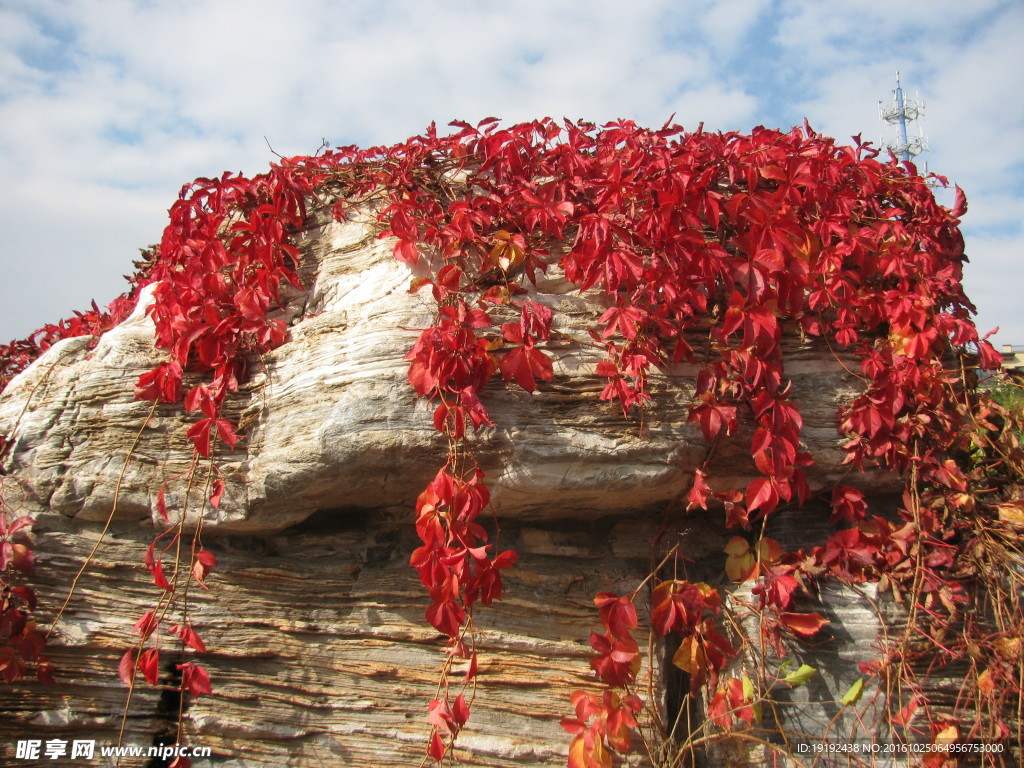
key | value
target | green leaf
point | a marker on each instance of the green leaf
(749, 695)
(801, 676)
(853, 695)
(748, 688)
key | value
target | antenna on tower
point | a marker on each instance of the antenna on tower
(901, 111)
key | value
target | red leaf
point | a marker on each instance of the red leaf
(474, 409)
(572, 725)
(524, 364)
(145, 626)
(436, 748)
(126, 669)
(422, 380)
(719, 710)
(161, 505)
(44, 672)
(22, 522)
(906, 714)
(202, 566)
(188, 636)
(26, 595)
(959, 204)
(20, 556)
(678, 606)
(149, 665)
(440, 716)
(535, 320)
(777, 585)
(617, 661)
(162, 384)
(699, 491)
(506, 559)
(460, 710)
(446, 616)
(713, 417)
(199, 433)
(848, 504)
(156, 568)
(761, 494)
(988, 358)
(405, 251)
(216, 493)
(618, 614)
(623, 320)
(736, 515)
(194, 679)
(199, 398)
(227, 432)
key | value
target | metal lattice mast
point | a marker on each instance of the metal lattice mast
(900, 112)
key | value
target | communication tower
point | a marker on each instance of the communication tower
(901, 111)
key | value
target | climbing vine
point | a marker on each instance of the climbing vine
(705, 249)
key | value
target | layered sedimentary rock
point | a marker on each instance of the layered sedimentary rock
(318, 650)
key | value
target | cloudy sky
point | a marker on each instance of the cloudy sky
(108, 106)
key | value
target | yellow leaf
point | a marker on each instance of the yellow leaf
(1009, 648)
(741, 567)
(1012, 513)
(947, 735)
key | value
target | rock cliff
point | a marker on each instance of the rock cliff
(319, 653)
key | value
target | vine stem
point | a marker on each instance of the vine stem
(110, 519)
(163, 604)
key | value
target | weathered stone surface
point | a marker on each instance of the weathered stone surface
(332, 421)
(320, 654)
(319, 651)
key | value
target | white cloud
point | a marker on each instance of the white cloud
(108, 106)
(727, 22)
(994, 273)
(966, 61)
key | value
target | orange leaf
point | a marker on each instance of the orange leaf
(769, 551)
(985, 683)
(600, 757)
(803, 624)
(691, 658)
(578, 753)
(417, 283)
(737, 547)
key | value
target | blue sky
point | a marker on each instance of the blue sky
(108, 106)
